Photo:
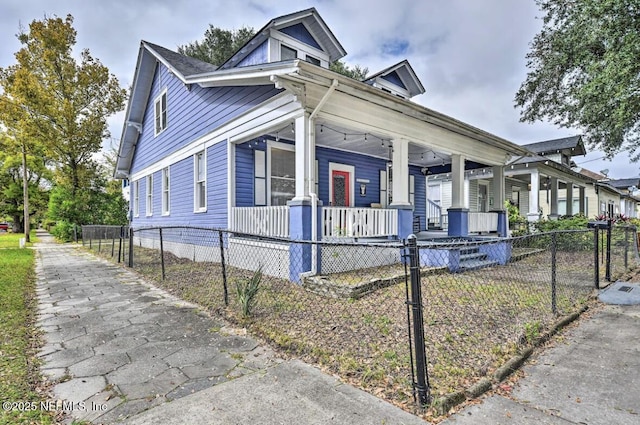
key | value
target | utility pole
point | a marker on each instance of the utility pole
(25, 192)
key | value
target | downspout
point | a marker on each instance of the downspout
(312, 190)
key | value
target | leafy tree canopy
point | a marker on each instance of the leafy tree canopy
(585, 72)
(218, 44)
(49, 98)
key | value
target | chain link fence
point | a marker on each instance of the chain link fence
(350, 311)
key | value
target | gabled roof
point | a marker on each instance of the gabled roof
(402, 75)
(573, 143)
(592, 174)
(625, 183)
(310, 19)
(185, 65)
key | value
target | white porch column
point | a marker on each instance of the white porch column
(553, 214)
(305, 147)
(400, 169)
(569, 197)
(534, 197)
(457, 181)
(498, 187)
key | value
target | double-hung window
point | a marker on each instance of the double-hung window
(166, 191)
(160, 112)
(149, 209)
(283, 176)
(200, 182)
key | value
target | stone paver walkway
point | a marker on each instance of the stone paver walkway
(118, 347)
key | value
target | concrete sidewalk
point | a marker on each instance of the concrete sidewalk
(124, 351)
(591, 376)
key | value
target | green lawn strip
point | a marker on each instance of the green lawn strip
(19, 374)
(12, 240)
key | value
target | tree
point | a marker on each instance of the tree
(51, 98)
(218, 44)
(585, 73)
(357, 72)
(11, 184)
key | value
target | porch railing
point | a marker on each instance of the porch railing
(359, 222)
(264, 221)
(482, 222)
(435, 218)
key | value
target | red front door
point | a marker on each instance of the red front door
(341, 189)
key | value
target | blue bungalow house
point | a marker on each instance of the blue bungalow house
(274, 143)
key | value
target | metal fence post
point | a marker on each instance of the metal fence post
(554, 250)
(607, 274)
(596, 257)
(120, 243)
(224, 268)
(161, 253)
(422, 388)
(626, 248)
(131, 247)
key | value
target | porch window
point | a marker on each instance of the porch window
(136, 198)
(166, 194)
(200, 186)
(160, 113)
(283, 176)
(313, 60)
(412, 190)
(149, 209)
(260, 179)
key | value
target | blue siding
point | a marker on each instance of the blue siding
(245, 173)
(300, 33)
(393, 78)
(182, 194)
(258, 56)
(217, 186)
(191, 113)
(366, 167)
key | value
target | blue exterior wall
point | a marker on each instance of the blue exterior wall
(366, 167)
(182, 194)
(300, 33)
(258, 56)
(394, 78)
(191, 113)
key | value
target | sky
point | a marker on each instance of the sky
(468, 54)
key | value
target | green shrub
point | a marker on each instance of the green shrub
(63, 231)
(247, 290)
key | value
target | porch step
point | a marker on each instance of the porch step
(472, 256)
(469, 265)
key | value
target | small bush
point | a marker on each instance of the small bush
(247, 290)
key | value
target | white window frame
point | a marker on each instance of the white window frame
(197, 204)
(275, 145)
(160, 122)
(149, 197)
(277, 38)
(136, 198)
(166, 191)
(412, 190)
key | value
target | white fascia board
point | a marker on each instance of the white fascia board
(261, 116)
(250, 75)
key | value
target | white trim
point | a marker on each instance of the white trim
(158, 98)
(231, 180)
(196, 207)
(165, 178)
(136, 198)
(268, 115)
(148, 210)
(277, 38)
(334, 166)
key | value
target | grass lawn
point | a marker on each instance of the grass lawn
(19, 376)
(12, 240)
